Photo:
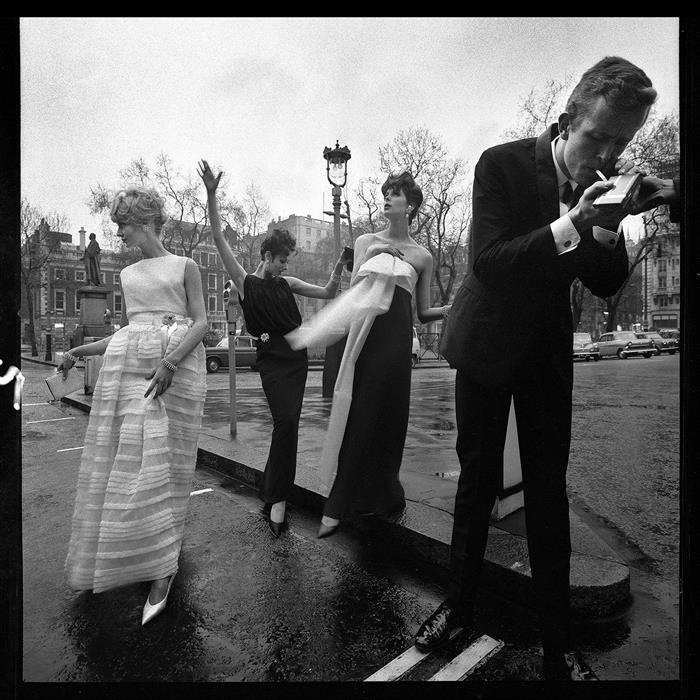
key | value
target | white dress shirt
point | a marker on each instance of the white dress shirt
(566, 237)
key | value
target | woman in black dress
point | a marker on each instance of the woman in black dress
(371, 445)
(270, 311)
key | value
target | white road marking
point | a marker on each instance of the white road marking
(68, 449)
(195, 493)
(463, 664)
(48, 420)
(403, 663)
(43, 403)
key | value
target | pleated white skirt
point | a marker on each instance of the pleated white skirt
(138, 460)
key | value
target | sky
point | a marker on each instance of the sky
(262, 97)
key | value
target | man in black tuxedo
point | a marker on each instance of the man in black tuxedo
(509, 334)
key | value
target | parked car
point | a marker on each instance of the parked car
(585, 348)
(675, 334)
(669, 345)
(245, 353)
(415, 348)
(624, 344)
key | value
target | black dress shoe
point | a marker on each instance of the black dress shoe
(567, 667)
(435, 631)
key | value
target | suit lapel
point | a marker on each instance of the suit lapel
(547, 186)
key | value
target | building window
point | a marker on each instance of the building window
(117, 303)
(308, 245)
(59, 273)
(59, 300)
(103, 277)
(308, 231)
(77, 301)
(116, 279)
(212, 281)
(212, 302)
(662, 281)
(213, 260)
(80, 275)
(662, 266)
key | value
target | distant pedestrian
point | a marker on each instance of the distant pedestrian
(141, 441)
(535, 230)
(270, 311)
(364, 443)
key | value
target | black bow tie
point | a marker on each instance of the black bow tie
(570, 196)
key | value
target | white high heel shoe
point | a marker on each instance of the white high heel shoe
(151, 611)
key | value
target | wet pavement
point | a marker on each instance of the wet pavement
(247, 607)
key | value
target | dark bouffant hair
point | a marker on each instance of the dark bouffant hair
(622, 84)
(279, 242)
(407, 185)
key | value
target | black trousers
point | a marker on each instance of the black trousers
(542, 399)
(283, 382)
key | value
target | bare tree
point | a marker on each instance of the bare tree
(540, 109)
(369, 199)
(38, 242)
(248, 222)
(186, 204)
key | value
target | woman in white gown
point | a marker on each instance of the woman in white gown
(141, 441)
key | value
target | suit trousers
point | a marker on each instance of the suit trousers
(541, 394)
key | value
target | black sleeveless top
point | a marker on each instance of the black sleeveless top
(269, 307)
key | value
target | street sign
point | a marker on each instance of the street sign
(58, 325)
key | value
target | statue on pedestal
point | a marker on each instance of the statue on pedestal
(92, 262)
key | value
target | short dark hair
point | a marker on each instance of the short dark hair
(279, 242)
(405, 183)
(622, 84)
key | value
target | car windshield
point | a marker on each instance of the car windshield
(644, 335)
(582, 337)
(223, 343)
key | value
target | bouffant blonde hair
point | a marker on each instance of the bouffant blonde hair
(140, 206)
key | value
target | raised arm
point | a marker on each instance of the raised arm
(233, 267)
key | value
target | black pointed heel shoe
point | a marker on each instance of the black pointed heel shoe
(277, 528)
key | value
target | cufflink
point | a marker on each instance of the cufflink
(612, 241)
(567, 244)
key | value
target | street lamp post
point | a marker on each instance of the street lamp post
(337, 173)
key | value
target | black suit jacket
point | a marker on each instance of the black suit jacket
(514, 303)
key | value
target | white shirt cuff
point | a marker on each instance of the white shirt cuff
(566, 237)
(604, 237)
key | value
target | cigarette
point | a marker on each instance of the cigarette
(601, 176)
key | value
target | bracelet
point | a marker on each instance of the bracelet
(168, 365)
(69, 356)
(445, 310)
